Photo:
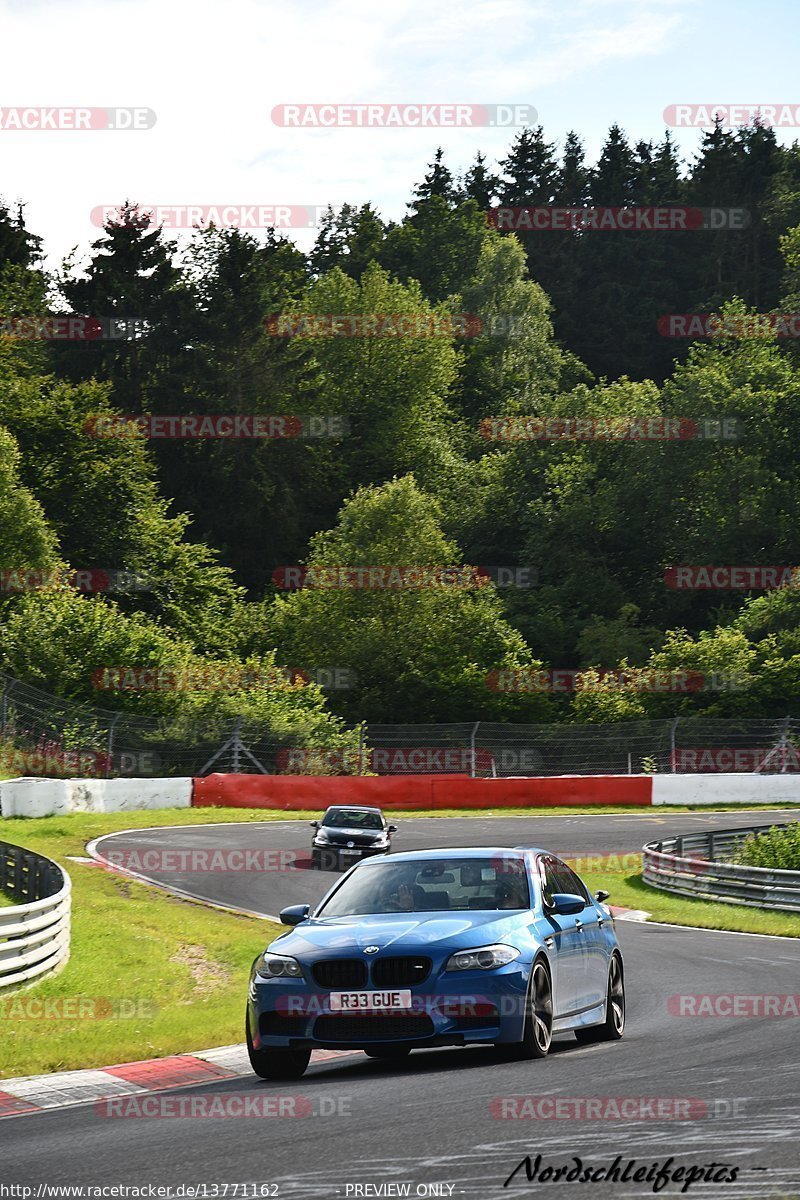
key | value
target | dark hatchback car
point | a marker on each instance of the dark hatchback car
(349, 833)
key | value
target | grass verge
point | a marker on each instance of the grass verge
(157, 975)
(629, 891)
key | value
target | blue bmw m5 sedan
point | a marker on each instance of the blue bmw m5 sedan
(434, 948)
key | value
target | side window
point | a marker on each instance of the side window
(548, 879)
(571, 882)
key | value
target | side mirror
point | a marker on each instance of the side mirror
(601, 895)
(392, 829)
(565, 903)
(294, 914)
(314, 824)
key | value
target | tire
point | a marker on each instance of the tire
(394, 1052)
(315, 863)
(276, 1063)
(613, 1027)
(537, 1033)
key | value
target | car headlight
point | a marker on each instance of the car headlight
(278, 966)
(321, 838)
(485, 958)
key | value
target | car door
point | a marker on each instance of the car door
(592, 923)
(564, 939)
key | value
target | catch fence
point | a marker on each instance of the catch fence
(45, 735)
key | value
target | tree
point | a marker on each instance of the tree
(101, 499)
(607, 641)
(611, 306)
(731, 500)
(26, 542)
(480, 184)
(514, 365)
(437, 182)
(132, 278)
(75, 645)
(257, 501)
(418, 653)
(350, 239)
(392, 388)
(531, 170)
(438, 246)
(18, 246)
(574, 177)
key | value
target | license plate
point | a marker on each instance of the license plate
(370, 1001)
(350, 853)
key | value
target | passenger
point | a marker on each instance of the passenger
(510, 893)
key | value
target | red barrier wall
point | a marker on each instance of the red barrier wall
(418, 791)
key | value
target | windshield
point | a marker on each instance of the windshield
(433, 885)
(352, 818)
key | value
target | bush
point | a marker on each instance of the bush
(778, 848)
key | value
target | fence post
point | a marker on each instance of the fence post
(7, 686)
(361, 730)
(672, 751)
(781, 748)
(110, 747)
(235, 745)
(785, 744)
(472, 748)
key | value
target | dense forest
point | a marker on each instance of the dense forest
(446, 439)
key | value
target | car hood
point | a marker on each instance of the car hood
(408, 931)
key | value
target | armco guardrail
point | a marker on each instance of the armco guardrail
(34, 931)
(694, 865)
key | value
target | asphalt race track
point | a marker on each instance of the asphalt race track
(288, 878)
(432, 1119)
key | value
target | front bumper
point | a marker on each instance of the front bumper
(331, 857)
(450, 1008)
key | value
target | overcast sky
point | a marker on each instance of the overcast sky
(213, 72)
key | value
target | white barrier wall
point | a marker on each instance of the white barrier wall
(709, 790)
(52, 797)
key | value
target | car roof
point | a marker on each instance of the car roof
(457, 851)
(352, 807)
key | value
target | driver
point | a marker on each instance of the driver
(399, 894)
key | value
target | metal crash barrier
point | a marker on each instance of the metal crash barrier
(695, 864)
(35, 930)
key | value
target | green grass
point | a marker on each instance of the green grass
(629, 891)
(5, 901)
(180, 967)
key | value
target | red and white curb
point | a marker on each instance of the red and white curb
(39, 1093)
